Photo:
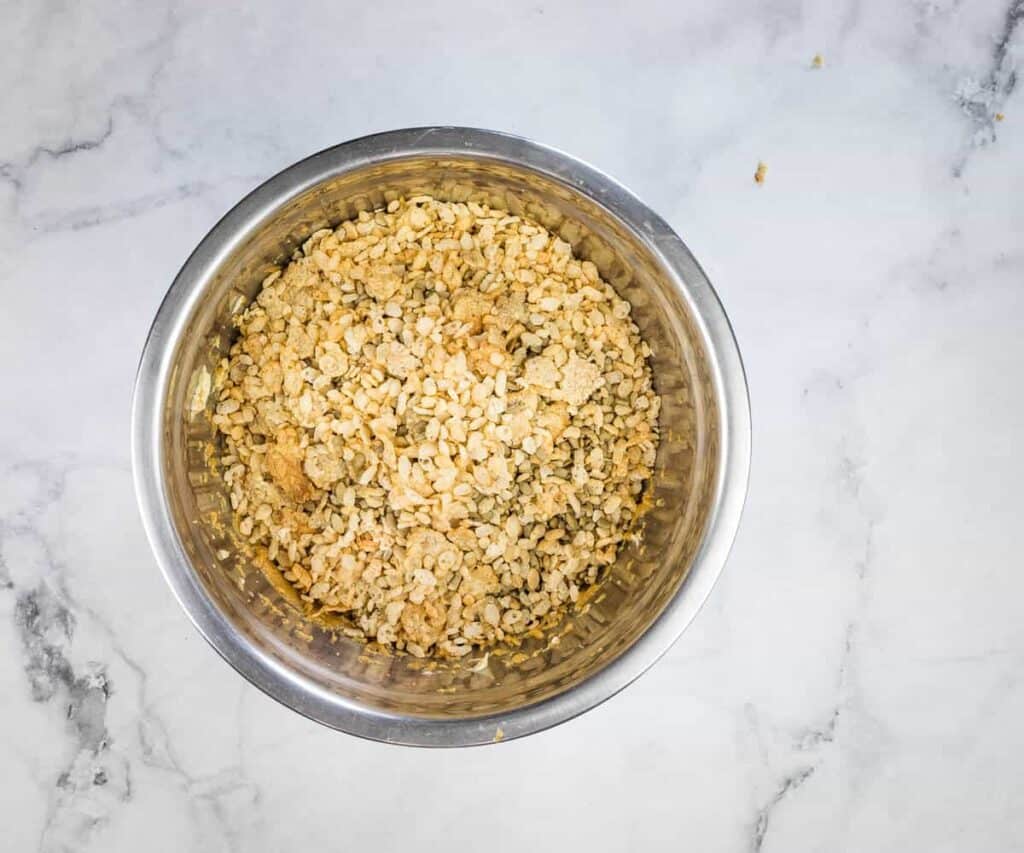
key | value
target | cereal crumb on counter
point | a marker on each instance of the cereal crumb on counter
(760, 172)
(818, 61)
(439, 424)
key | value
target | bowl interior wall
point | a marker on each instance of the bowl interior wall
(642, 581)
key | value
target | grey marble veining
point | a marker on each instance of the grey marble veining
(856, 681)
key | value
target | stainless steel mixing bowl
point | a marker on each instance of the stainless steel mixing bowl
(653, 591)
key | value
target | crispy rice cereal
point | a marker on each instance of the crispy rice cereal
(438, 423)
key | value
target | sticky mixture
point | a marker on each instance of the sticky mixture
(438, 423)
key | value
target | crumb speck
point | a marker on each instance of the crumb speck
(818, 61)
(499, 734)
(759, 175)
(999, 116)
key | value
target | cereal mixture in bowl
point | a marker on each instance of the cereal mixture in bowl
(438, 424)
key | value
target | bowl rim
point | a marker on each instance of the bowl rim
(294, 690)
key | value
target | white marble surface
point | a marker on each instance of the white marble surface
(857, 679)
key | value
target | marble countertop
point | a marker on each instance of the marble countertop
(856, 681)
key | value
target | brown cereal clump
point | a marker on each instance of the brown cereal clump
(438, 423)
